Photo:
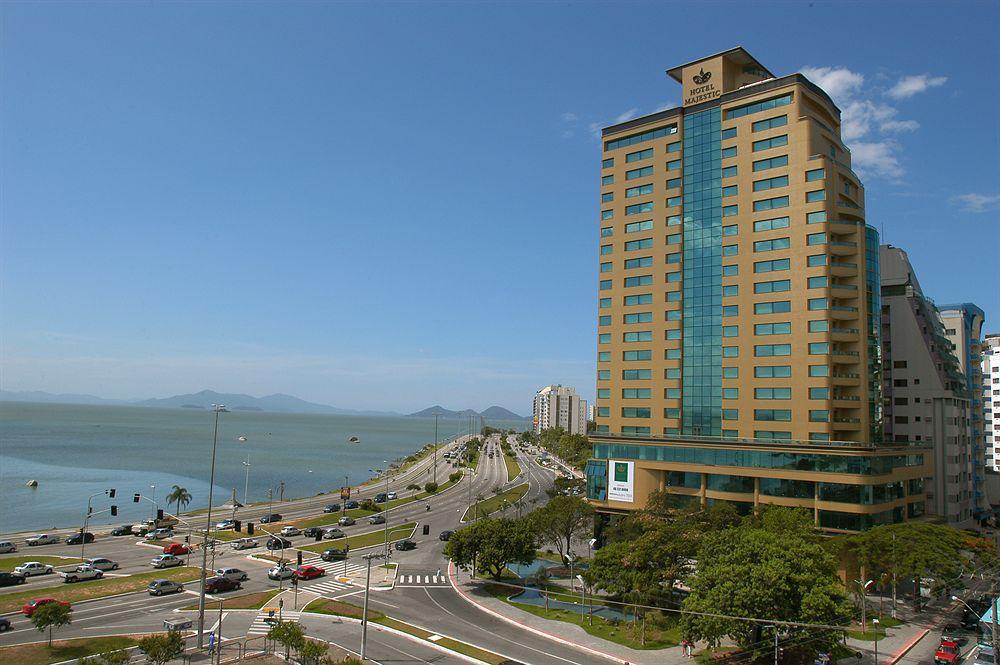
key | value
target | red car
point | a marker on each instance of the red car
(220, 585)
(176, 549)
(948, 653)
(309, 572)
(29, 608)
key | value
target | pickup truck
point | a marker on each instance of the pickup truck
(41, 539)
(82, 573)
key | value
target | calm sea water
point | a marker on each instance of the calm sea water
(75, 451)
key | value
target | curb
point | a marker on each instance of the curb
(905, 649)
(413, 638)
(541, 633)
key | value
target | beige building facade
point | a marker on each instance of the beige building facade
(738, 313)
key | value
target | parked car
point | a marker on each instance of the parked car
(165, 561)
(446, 534)
(140, 530)
(32, 568)
(309, 572)
(160, 587)
(948, 653)
(376, 519)
(334, 554)
(226, 524)
(970, 621)
(29, 607)
(160, 534)
(4, 624)
(245, 544)
(380, 497)
(232, 574)
(6, 547)
(331, 508)
(82, 573)
(11, 579)
(41, 539)
(351, 504)
(332, 532)
(346, 520)
(954, 633)
(290, 531)
(78, 538)
(391, 496)
(405, 544)
(102, 564)
(221, 585)
(123, 530)
(278, 543)
(280, 573)
(177, 549)
(269, 519)
(312, 531)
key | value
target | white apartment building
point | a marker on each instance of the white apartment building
(559, 406)
(991, 399)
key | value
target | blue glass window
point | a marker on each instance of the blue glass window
(775, 307)
(637, 208)
(639, 173)
(756, 107)
(633, 139)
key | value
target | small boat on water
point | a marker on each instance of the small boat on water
(353, 439)
(31, 483)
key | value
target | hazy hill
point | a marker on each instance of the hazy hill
(53, 398)
(492, 413)
(277, 402)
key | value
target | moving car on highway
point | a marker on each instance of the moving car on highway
(244, 544)
(221, 585)
(346, 520)
(232, 573)
(32, 568)
(6, 547)
(280, 573)
(160, 534)
(41, 539)
(446, 534)
(29, 607)
(79, 537)
(278, 543)
(176, 549)
(102, 564)
(123, 530)
(290, 531)
(268, 519)
(309, 572)
(404, 545)
(334, 554)
(82, 573)
(332, 532)
(165, 561)
(331, 508)
(376, 519)
(312, 532)
(11, 579)
(160, 587)
(226, 524)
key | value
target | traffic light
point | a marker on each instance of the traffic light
(159, 513)
(249, 528)
(111, 493)
(319, 536)
(114, 511)
(237, 526)
(187, 540)
(135, 497)
(298, 557)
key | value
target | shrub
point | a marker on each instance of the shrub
(368, 504)
(413, 486)
(431, 488)
(455, 477)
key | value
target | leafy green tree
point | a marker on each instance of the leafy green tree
(51, 615)
(116, 657)
(162, 648)
(312, 652)
(289, 634)
(180, 496)
(492, 544)
(772, 567)
(561, 519)
(455, 477)
(431, 487)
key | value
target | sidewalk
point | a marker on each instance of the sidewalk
(559, 631)
(901, 640)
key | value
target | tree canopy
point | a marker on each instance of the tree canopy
(51, 615)
(562, 518)
(493, 544)
(162, 648)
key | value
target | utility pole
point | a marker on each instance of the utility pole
(776, 647)
(436, 414)
(993, 621)
(218, 408)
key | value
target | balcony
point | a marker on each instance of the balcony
(846, 401)
(845, 379)
(843, 312)
(843, 269)
(845, 225)
(843, 247)
(844, 334)
(845, 424)
(839, 290)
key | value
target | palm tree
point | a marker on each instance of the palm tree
(180, 496)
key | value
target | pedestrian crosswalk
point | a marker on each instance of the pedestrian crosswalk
(262, 623)
(336, 571)
(422, 579)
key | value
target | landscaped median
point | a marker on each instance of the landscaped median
(513, 468)
(367, 539)
(8, 564)
(63, 650)
(488, 506)
(339, 608)
(108, 586)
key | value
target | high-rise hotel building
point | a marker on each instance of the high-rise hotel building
(738, 321)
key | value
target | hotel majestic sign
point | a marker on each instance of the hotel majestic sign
(701, 89)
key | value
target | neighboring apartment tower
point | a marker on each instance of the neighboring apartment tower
(738, 344)
(991, 399)
(927, 397)
(963, 326)
(559, 406)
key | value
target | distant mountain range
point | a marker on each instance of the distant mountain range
(492, 413)
(239, 402)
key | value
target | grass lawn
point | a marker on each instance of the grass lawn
(8, 564)
(108, 586)
(365, 539)
(339, 608)
(661, 629)
(486, 506)
(40, 654)
(513, 468)
(248, 601)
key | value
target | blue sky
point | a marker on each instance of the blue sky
(389, 206)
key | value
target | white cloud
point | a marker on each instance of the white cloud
(838, 82)
(877, 158)
(627, 115)
(908, 86)
(977, 203)
(569, 116)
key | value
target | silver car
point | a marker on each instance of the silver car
(332, 533)
(165, 561)
(244, 544)
(6, 547)
(102, 564)
(160, 587)
(41, 539)
(234, 574)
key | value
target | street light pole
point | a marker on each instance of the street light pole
(364, 611)
(387, 507)
(875, 623)
(153, 509)
(436, 447)
(246, 482)
(218, 408)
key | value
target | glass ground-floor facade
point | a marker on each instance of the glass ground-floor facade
(848, 488)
